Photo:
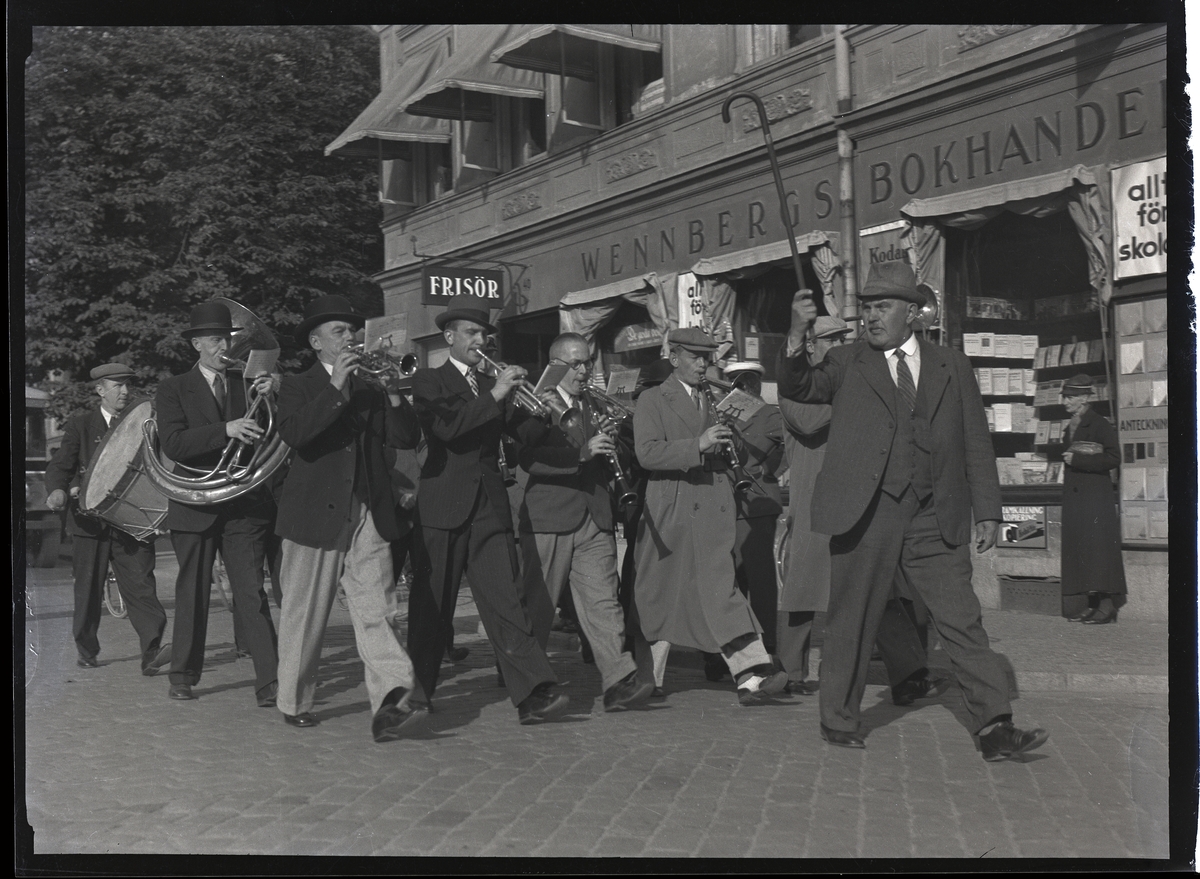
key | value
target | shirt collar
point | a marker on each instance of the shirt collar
(909, 347)
(209, 374)
(108, 416)
(328, 366)
(462, 368)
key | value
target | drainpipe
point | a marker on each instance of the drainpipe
(849, 225)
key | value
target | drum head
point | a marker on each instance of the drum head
(119, 448)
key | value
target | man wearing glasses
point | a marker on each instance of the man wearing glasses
(96, 545)
(567, 521)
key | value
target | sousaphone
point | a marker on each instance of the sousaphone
(242, 466)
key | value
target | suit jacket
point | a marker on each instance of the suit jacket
(191, 431)
(856, 380)
(763, 443)
(332, 437)
(561, 487)
(81, 438)
(463, 434)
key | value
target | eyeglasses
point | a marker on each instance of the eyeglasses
(575, 364)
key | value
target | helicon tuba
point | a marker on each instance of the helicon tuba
(242, 466)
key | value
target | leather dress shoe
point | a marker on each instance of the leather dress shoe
(802, 688)
(87, 662)
(1086, 614)
(268, 695)
(394, 720)
(658, 693)
(841, 738)
(1099, 618)
(161, 658)
(928, 687)
(541, 705)
(1006, 740)
(304, 719)
(760, 681)
(627, 693)
(457, 654)
(181, 692)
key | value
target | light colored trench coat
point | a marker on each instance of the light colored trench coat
(685, 592)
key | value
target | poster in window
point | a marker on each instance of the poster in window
(1155, 311)
(1023, 527)
(1139, 216)
(1132, 357)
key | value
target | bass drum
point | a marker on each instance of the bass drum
(116, 487)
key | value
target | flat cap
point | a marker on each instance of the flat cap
(895, 280)
(693, 339)
(111, 370)
(827, 325)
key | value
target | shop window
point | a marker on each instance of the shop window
(420, 174)
(763, 312)
(511, 133)
(602, 87)
(629, 339)
(798, 34)
(760, 42)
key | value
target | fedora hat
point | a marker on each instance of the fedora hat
(209, 319)
(466, 307)
(895, 280)
(323, 309)
(1078, 386)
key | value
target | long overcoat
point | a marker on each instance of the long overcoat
(686, 593)
(1091, 535)
(806, 578)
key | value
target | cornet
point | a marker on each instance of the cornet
(615, 412)
(555, 410)
(376, 366)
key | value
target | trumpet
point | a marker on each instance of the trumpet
(379, 366)
(744, 478)
(554, 410)
(615, 413)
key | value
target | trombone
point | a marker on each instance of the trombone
(615, 413)
(554, 409)
(744, 478)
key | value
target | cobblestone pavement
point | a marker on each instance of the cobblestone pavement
(113, 766)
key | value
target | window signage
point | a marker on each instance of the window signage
(1139, 210)
(440, 285)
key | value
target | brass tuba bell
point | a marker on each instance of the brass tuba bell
(242, 466)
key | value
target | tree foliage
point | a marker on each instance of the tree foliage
(169, 165)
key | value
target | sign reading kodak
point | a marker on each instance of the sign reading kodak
(440, 285)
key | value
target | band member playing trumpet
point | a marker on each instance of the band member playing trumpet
(198, 414)
(466, 520)
(686, 589)
(95, 544)
(337, 518)
(567, 521)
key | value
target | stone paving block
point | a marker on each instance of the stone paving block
(618, 847)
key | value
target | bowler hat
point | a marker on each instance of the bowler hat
(693, 339)
(113, 371)
(895, 280)
(324, 309)
(209, 319)
(1078, 385)
(827, 325)
(466, 307)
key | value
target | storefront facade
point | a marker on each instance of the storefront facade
(984, 155)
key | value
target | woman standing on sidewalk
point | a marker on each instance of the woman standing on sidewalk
(1091, 536)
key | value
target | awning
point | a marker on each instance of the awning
(608, 291)
(380, 128)
(566, 48)
(463, 86)
(998, 194)
(778, 252)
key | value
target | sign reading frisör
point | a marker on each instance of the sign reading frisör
(440, 285)
(1139, 210)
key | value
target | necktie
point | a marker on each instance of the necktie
(473, 382)
(218, 387)
(904, 381)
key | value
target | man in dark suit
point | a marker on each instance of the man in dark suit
(908, 462)
(95, 544)
(198, 413)
(337, 517)
(466, 520)
(566, 523)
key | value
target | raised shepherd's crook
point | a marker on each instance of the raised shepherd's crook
(783, 212)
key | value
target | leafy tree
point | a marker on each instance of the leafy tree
(169, 165)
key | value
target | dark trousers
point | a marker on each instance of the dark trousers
(484, 550)
(903, 533)
(754, 571)
(898, 641)
(241, 543)
(133, 564)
